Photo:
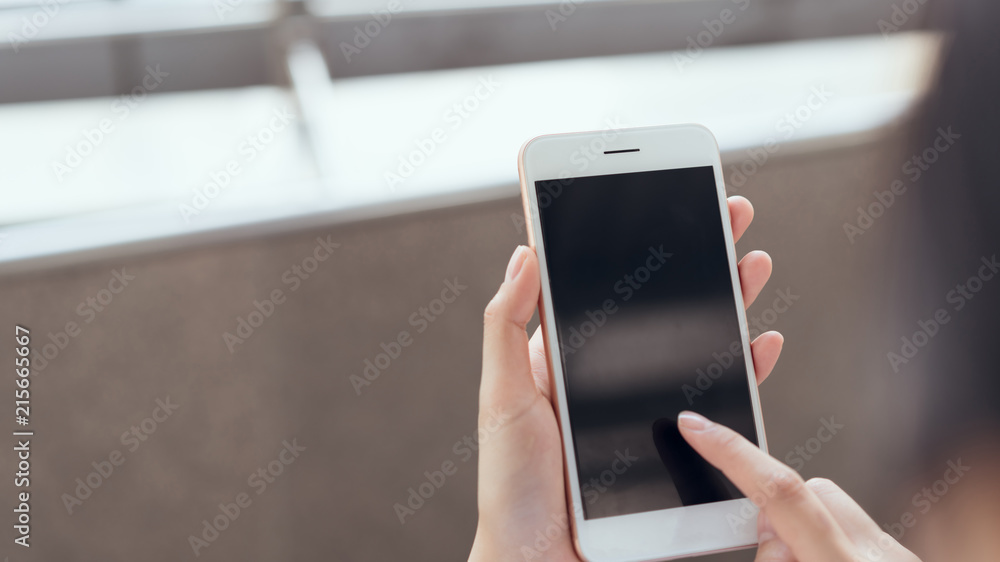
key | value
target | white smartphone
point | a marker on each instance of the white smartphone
(642, 314)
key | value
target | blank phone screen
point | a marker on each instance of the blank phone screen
(647, 326)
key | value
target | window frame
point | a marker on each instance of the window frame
(250, 45)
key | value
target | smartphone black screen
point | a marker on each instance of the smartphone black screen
(647, 326)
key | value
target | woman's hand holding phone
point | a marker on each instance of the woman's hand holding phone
(522, 492)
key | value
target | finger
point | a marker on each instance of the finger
(770, 548)
(507, 386)
(765, 351)
(773, 550)
(755, 270)
(851, 517)
(740, 215)
(540, 363)
(798, 516)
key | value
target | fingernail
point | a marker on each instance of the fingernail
(692, 421)
(516, 261)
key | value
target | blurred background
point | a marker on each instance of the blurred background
(216, 215)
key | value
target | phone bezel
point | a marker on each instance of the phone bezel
(668, 533)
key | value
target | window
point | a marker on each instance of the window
(134, 120)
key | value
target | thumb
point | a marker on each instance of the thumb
(507, 384)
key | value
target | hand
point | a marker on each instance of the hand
(522, 495)
(814, 520)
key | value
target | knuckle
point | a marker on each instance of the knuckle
(822, 485)
(492, 314)
(788, 485)
(885, 538)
